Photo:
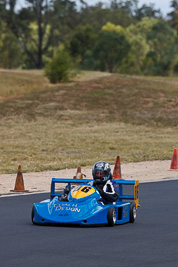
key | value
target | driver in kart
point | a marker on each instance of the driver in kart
(102, 181)
(108, 189)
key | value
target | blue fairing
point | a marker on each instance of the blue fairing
(74, 211)
(83, 207)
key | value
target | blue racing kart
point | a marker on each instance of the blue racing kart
(83, 206)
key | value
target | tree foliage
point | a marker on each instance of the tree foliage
(161, 39)
(137, 36)
(174, 13)
(117, 36)
(82, 41)
(110, 49)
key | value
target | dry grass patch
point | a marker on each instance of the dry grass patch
(14, 83)
(46, 127)
(51, 145)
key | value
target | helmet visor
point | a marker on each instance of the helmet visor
(99, 174)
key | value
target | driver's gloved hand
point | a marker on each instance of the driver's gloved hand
(66, 190)
(63, 197)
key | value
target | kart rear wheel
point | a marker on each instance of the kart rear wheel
(111, 216)
(132, 212)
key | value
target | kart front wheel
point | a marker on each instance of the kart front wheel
(132, 212)
(111, 216)
(32, 215)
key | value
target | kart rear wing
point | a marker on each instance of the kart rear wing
(134, 197)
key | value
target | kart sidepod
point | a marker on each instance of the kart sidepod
(83, 206)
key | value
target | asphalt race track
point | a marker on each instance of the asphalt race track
(151, 241)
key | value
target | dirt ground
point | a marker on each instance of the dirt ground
(149, 171)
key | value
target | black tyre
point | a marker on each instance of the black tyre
(32, 215)
(111, 216)
(133, 212)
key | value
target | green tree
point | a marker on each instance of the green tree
(10, 51)
(3, 4)
(99, 14)
(153, 48)
(40, 13)
(110, 49)
(174, 14)
(137, 36)
(127, 6)
(64, 20)
(162, 42)
(82, 41)
(49, 17)
(148, 11)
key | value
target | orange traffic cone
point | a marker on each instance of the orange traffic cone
(19, 184)
(174, 162)
(117, 170)
(79, 174)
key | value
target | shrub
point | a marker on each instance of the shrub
(58, 69)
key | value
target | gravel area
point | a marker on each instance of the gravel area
(149, 171)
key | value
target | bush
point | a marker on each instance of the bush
(58, 69)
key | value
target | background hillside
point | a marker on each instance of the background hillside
(95, 116)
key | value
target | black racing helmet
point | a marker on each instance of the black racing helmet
(101, 172)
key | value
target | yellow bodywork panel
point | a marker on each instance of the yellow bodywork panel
(136, 193)
(82, 191)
